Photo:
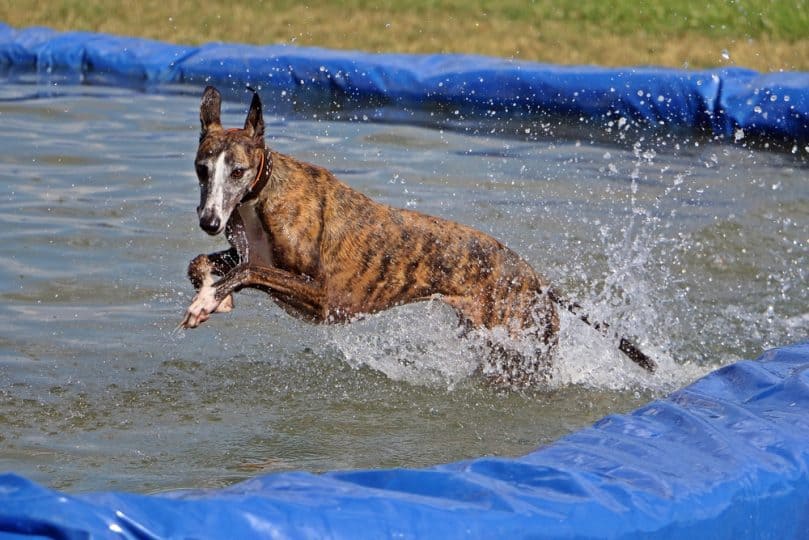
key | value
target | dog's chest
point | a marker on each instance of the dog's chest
(248, 236)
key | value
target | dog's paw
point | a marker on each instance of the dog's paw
(201, 307)
(226, 305)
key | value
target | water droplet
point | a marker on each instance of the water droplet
(725, 54)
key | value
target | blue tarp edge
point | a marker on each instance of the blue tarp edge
(734, 104)
(726, 457)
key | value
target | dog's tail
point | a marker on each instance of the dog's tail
(625, 346)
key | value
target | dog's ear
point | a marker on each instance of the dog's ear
(254, 124)
(209, 111)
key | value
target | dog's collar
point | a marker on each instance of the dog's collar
(264, 172)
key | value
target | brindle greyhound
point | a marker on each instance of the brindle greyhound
(327, 253)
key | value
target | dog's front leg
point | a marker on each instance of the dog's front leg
(304, 294)
(201, 308)
(203, 268)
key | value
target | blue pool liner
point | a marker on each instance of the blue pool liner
(734, 104)
(726, 457)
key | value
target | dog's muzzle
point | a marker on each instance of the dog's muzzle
(210, 222)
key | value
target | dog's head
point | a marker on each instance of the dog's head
(228, 162)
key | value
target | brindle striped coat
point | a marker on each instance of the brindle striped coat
(327, 253)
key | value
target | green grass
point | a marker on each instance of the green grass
(780, 19)
(762, 34)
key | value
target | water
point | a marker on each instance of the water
(697, 250)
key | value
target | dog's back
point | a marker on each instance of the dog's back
(370, 256)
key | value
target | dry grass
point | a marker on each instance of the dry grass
(512, 30)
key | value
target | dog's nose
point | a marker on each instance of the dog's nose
(209, 223)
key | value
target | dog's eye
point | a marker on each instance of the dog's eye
(237, 173)
(202, 172)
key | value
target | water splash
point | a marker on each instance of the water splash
(638, 279)
(418, 343)
(426, 347)
(590, 360)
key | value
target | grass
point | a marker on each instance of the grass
(767, 35)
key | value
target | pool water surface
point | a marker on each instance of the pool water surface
(697, 250)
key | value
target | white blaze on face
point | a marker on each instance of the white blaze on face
(215, 201)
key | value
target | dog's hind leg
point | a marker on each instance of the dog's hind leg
(523, 357)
